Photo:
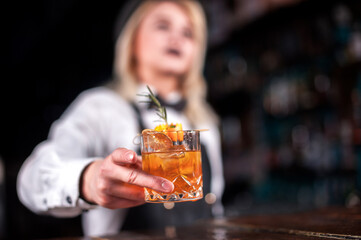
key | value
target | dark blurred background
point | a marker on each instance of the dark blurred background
(284, 76)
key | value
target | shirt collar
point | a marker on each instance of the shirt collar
(172, 100)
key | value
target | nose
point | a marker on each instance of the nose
(176, 38)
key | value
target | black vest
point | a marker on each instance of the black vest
(156, 216)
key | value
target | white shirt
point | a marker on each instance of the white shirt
(94, 125)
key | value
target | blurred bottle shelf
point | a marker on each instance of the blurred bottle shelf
(288, 90)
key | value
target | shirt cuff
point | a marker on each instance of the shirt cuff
(71, 196)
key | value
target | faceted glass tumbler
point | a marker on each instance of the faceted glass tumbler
(176, 156)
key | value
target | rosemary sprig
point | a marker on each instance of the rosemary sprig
(161, 111)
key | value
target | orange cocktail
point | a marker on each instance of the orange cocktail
(178, 161)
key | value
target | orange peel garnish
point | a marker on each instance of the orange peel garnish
(173, 131)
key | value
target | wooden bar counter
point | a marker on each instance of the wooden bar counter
(329, 223)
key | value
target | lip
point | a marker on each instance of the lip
(174, 52)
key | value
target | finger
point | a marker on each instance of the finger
(123, 156)
(125, 190)
(138, 163)
(141, 178)
(115, 202)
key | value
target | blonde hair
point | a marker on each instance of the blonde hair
(193, 87)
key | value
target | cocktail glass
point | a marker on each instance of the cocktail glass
(176, 156)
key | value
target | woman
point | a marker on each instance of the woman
(82, 167)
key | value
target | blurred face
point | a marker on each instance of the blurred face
(164, 41)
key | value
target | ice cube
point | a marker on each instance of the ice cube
(171, 155)
(179, 148)
(170, 165)
(186, 166)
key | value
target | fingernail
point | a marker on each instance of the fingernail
(167, 186)
(130, 156)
